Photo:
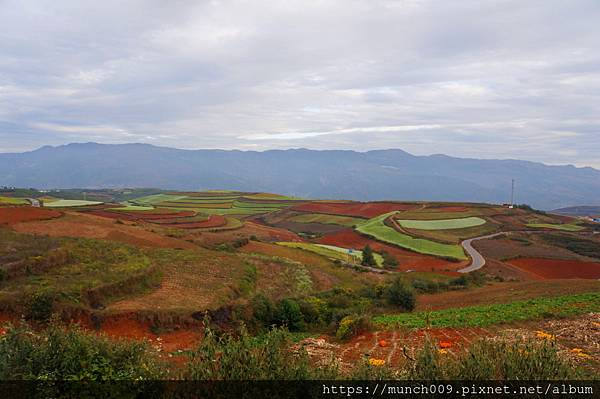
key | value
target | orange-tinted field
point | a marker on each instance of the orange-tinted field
(407, 260)
(359, 209)
(12, 215)
(556, 268)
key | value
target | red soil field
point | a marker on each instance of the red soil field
(142, 215)
(213, 221)
(359, 209)
(407, 260)
(557, 269)
(19, 214)
(90, 226)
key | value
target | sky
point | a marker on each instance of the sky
(482, 79)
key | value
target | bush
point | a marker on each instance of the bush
(39, 307)
(389, 261)
(263, 309)
(399, 294)
(288, 314)
(266, 357)
(352, 325)
(58, 353)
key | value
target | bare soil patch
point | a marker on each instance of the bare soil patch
(17, 214)
(556, 268)
(359, 209)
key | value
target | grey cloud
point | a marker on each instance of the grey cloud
(493, 79)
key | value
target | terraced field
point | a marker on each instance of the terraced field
(332, 252)
(64, 203)
(377, 229)
(442, 224)
(326, 219)
(563, 227)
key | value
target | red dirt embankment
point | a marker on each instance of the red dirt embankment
(557, 268)
(17, 214)
(358, 209)
(407, 260)
(90, 226)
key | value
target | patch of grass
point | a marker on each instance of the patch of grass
(442, 224)
(563, 227)
(332, 252)
(485, 315)
(578, 245)
(64, 203)
(13, 201)
(377, 229)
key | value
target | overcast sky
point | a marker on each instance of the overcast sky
(487, 79)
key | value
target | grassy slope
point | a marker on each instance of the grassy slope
(485, 315)
(13, 201)
(563, 227)
(377, 229)
(329, 251)
(443, 224)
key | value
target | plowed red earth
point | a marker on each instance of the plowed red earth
(359, 209)
(141, 215)
(213, 221)
(556, 269)
(19, 214)
(407, 260)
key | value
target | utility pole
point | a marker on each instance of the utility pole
(512, 194)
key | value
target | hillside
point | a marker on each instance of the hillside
(373, 175)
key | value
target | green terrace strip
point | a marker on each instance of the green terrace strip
(486, 315)
(326, 219)
(63, 203)
(13, 201)
(563, 227)
(332, 252)
(377, 229)
(443, 224)
(156, 198)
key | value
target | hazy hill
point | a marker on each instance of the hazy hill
(373, 175)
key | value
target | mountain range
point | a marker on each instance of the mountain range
(332, 174)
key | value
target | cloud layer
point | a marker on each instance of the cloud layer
(491, 79)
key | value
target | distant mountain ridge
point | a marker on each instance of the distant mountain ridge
(333, 174)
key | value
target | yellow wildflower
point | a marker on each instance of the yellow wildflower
(376, 362)
(544, 335)
(442, 351)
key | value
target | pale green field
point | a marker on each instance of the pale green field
(563, 227)
(156, 198)
(377, 229)
(330, 251)
(63, 203)
(443, 224)
(13, 201)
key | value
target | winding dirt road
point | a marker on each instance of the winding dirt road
(477, 260)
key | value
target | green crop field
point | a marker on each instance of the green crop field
(331, 251)
(13, 201)
(377, 229)
(563, 227)
(443, 224)
(133, 208)
(326, 219)
(486, 315)
(274, 206)
(62, 203)
(156, 198)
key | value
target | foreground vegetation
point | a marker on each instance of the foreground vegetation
(58, 353)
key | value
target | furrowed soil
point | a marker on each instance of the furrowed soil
(557, 269)
(12, 215)
(249, 229)
(407, 260)
(89, 226)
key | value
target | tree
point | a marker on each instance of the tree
(388, 260)
(368, 259)
(400, 294)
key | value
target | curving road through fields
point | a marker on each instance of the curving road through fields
(477, 259)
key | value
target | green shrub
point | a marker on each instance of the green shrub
(401, 295)
(263, 309)
(288, 314)
(39, 307)
(352, 325)
(265, 357)
(389, 261)
(58, 353)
